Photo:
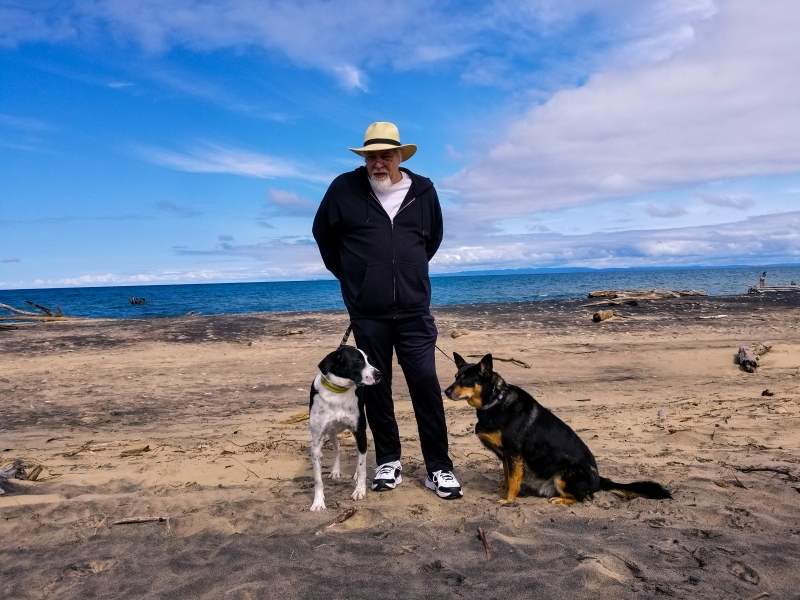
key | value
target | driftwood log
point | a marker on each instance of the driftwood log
(23, 315)
(749, 356)
(602, 315)
(656, 294)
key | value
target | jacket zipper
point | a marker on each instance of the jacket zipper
(394, 265)
(394, 261)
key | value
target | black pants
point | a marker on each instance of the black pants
(414, 339)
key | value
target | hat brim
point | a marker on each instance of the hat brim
(408, 150)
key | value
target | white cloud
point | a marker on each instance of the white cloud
(364, 35)
(756, 240)
(177, 209)
(290, 203)
(740, 203)
(665, 212)
(725, 106)
(213, 158)
(351, 78)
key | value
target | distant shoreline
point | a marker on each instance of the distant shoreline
(459, 274)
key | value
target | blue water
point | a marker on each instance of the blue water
(227, 298)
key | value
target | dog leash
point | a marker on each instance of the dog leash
(445, 353)
(350, 328)
(346, 335)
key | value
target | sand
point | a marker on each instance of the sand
(233, 485)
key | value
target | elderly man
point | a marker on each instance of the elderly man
(377, 227)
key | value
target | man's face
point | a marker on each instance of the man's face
(383, 164)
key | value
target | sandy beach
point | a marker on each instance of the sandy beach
(206, 396)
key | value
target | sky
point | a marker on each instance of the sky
(190, 141)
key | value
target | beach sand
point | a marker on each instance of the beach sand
(207, 394)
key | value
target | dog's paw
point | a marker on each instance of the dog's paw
(507, 501)
(334, 475)
(359, 494)
(562, 501)
(317, 506)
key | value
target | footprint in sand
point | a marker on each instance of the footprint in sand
(608, 566)
(744, 572)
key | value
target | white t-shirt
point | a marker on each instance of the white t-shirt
(392, 199)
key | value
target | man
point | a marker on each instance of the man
(377, 227)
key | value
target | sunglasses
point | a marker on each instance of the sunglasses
(384, 157)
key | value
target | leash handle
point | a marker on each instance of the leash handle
(346, 335)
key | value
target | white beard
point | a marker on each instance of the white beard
(381, 185)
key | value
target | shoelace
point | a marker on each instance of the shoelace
(384, 470)
(445, 478)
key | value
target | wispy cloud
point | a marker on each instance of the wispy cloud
(332, 37)
(57, 220)
(25, 123)
(351, 77)
(740, 203)
(289, 203)
(177, 209)
(9, 260)
(287, 254)
(214, 158)
(665, 212)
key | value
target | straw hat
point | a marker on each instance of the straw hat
(384, 136)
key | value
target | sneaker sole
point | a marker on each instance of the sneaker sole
(444, 495)
(386, 486)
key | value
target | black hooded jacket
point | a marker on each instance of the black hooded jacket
(382, 266)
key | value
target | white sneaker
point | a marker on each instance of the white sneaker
(445, 484)
(387, 476)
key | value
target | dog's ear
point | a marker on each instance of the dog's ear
(328, 361)
(486, 365)
(460, 362)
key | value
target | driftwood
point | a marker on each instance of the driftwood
(602, 315)
(298, 418)
(763, 288)
(135, 451)
(780, 471)
(773, 288)
(23, 315)
(485, 542)
(748, 356)
(134, 520)
(627, 302)
(512, 360)
(340, 519)
(83, 448)
(656, 294)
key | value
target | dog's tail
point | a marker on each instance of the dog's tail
(637, 489)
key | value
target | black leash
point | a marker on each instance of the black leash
(346, 335)
(350, 328)
(446, 354)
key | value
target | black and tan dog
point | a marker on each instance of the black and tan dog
(533, 444)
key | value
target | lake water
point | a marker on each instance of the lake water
(227, 298)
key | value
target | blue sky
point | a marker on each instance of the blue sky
(172, 141)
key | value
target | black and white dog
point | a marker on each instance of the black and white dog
(337, 405)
